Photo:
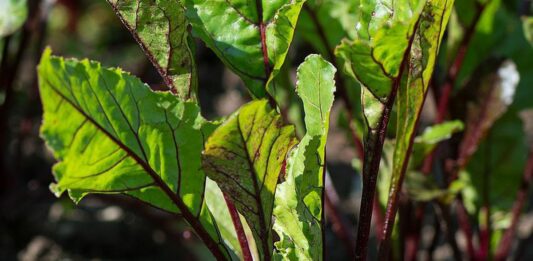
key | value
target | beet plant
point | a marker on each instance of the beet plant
(250, 185)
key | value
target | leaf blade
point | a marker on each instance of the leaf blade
(256, 44)
(375, 57)
(161, 29)
(245, 157)
(412, 92)
(298, 204)
(106, 144)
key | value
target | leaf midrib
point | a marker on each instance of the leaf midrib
(254, 175)
(157, 179)
(191, 219)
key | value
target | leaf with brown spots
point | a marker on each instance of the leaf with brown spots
(160, 28)
(245, 156)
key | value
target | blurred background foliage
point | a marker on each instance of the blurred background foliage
(36, 226)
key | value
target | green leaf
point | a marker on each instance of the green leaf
(413, 89)
(13, 14)
(245, 156)
(112, 134)
(439, 132)
(393, 55)
(214, 200)
(298, 204)
(376, 57)
(323, 24)
(412, 92)
(161, 29)
(429, 139)
(423, 188)
(251, 38)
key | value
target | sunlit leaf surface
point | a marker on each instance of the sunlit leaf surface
(112, 134)
(298, 205)
(250, 37)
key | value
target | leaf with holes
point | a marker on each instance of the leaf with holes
(245, 156)
(112, 134)
(161, 29)
(251, 38)
(298, 205)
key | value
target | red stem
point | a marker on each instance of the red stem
(264, 49)
(241, 235)
(521, 198)
(392, 204)
(472, 137)
(373, 150)
(457, 64)
(464, 225)
(484, 234)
